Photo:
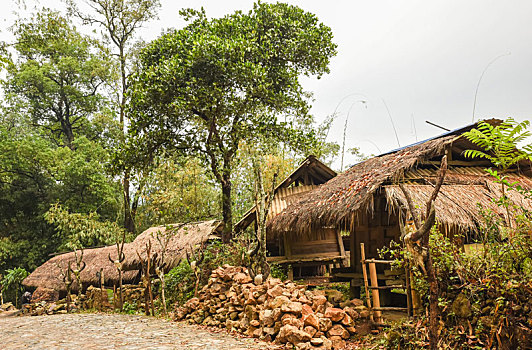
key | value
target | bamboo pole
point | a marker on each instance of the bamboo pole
(416, 299)
(408, 290)
(375, 292)
(365, 273)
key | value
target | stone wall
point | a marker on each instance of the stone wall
(277, 311)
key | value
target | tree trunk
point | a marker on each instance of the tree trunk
(227, 209)
(129, 219)
(433, 304)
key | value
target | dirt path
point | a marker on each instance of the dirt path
(108, 331)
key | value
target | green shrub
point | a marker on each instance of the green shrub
(11, 285)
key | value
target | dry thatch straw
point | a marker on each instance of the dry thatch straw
(180, 239)
(342, 199)
(48, 275)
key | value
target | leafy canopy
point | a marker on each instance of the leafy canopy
(57, 75)
(500, 142)
(216, 81)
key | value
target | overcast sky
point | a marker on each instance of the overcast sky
(423, 58)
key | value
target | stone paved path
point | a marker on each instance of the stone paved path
(111, 331)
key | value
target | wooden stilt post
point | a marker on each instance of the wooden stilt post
(375, 292)
(408, 290)
(365, 274)
(416, 299)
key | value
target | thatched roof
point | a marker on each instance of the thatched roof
(48, 275)
(340, 200)
(311, 172)
(187, 235)
(181, 238)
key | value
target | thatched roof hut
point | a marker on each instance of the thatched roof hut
(50, 274)
(307, 176)
(180, 239)
(186, 236)
(350, 196)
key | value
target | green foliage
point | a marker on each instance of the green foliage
(278, 271)
(11, 284)
(180, 283)
(500, 143)
(82, 230)
(217, 82)
(178, 190)
(56, 76)
(34, 174)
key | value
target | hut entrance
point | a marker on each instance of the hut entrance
(374, 230)
(311, 257)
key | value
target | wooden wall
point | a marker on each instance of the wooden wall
(376, 230)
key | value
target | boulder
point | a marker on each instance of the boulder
(337, 342)
(44, 294)
(324, 324)
(311, 320)
(336, 315)
(338, 331)
(292, 307)
(279, 301)
(275, 291)
(290, 334)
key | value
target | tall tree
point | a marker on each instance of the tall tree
(56, 76)
(120, 20)
(214, 83)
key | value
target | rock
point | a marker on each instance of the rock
(291, 319)
(310, 330)
(337, 342)
(290, 334)
(269, 330)
(293, 307)
(336, 315)
(347, 321)
(311, 320)
(338, 331)
(324, 324)
(44, 294)
(279, 301)
(276, 291)
(242, 278)
(316, 341)
(306, 310)
(461, 306)
(254, 323)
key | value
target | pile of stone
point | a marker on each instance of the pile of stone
(46, 301)
(273, 310)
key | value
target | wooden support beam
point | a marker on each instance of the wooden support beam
(365, 274)
(340, 245)
(375, 261)
(375, 293)
(390, 308)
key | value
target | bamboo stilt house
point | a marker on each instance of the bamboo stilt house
(185, 237)
(326, 248)
(366, 200)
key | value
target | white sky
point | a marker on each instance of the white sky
(424, 58)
